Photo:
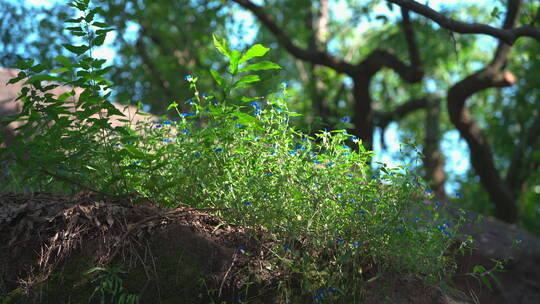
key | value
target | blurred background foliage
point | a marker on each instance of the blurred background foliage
(156, 43)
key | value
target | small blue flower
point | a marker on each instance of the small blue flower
(362, 212)
(354, 139)
(429, 191)
(187, 114)
(247, 203)
(330, 164)
(399, 230)
(214, 102)
(175, 119)
(458, 195)
(219, 150)
(239, 125)
(166, 140)
(136, 162)
(345, 119)
(321, 292)
(340, 240)
(346, 153)
(185, 131)
(339, 194)
(330, 289)
(203, 95)
(437, 204)
(441, 227)
(286, 247)
(318, 298)
(269, 174)
(239, 299)
(356, 244)
(188, 78)
(117, 145)
(255, 137)
(416, 219)
(158, 126)
(285, 84)
(315, 161)
(189, 101)
(242, 248)
(255, 104)
(279, 110)
(197, 154)
(349, 175)
(447, 233)
(167, 122)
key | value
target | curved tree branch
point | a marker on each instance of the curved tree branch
(508, 35)
(382, 119)
(481, 154)
(314, 56)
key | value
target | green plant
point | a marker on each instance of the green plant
(110, 286)
(337, 223)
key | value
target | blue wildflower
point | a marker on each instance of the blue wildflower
(117, 145)
(158, 126)
(346, 153)
(189, 101)
(188, 78)
(447, 233)
(429, 191)
(203, 95)
(318, 298)
(185, 131)
(239, 125)
(356, 244)
(437, 204)
(458, 195)
(330, 289)
(285, 84)
(187, 114)
(175, 119)
(292, 152)
(330, 164)
(242, 248)
(167, 122)
(239, 299)
(247, 203)
(349, 175)
(354, 139)
(269, 174)
(166, 140)
(362, 212)
(136, 162)
(399, 230)
(340, 240)
(255, 104)
(321, 292)
(286, 247)
(315, 161)
(219, 150)
(197, 154)
(345, 119)
(255, 137)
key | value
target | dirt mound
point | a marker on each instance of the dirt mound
(188, 255)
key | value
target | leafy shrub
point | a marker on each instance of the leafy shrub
(329, 212)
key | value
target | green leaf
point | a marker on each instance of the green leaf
(257, 50)
(40, 78)
(76, 49)
(218, 79)
(63, 60)
(246, 79)
(235, 55)
(172, 105)
(246, 119)
(99, 40)
(59, 70)
(221, 45)
(260, 66)
(100, 24)
(38, 68)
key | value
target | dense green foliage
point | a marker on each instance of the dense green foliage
(328, 211)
